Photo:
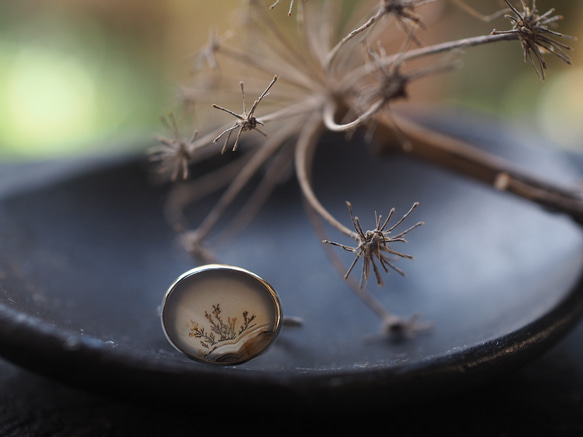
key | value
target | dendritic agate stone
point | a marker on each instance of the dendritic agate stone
(221, 314)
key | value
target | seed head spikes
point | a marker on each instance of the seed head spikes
(173, 153)
(532, 30)
(376, 243)
(246, 121)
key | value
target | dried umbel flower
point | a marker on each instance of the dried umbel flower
(532, 30)
(173, 154)
(246, 121)
(323, 77)
(376, 244)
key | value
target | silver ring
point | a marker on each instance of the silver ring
(221, 314)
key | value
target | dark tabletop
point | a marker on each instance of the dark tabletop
(545, 397)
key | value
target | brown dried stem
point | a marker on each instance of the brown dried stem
(305, 148)
(402, 9)
(307, 143)
(373, 303)
(474, 13)
(291, 6)
(477, 164)
(272, 145)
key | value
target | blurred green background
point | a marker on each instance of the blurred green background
(79, 76)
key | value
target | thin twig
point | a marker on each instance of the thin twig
(271, 146)
(307, 141)
(462, 44)
(477, 164)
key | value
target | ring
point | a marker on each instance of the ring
(221, 314)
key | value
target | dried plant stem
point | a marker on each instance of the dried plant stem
(382, 11)
(261, 64)
(295, 109)
(449, 46)
(305, 148)
(435, 49)
(332, 54)
(287, 50)
(266, 151)
(474, 13)
(291, 6)
(330, 113)
(273, 175)
(307, 143)
(332, 107)
(468, 160)
(307, 44)
(191, 192)
(373, 303)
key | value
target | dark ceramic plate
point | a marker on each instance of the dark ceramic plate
(86, 257)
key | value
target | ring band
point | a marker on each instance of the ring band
(221, 314)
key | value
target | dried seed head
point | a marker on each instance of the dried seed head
(392, 83)
(246, 121)
(173, 154)
(536, 38)
(404, 9)
(376, 245)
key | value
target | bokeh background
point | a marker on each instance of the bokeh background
(92, 76)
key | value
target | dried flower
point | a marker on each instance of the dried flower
(391, 85)
(326, 85)
(246, 120)
(404, 10)
(535, 36)
(173, 154)
(376, 243)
